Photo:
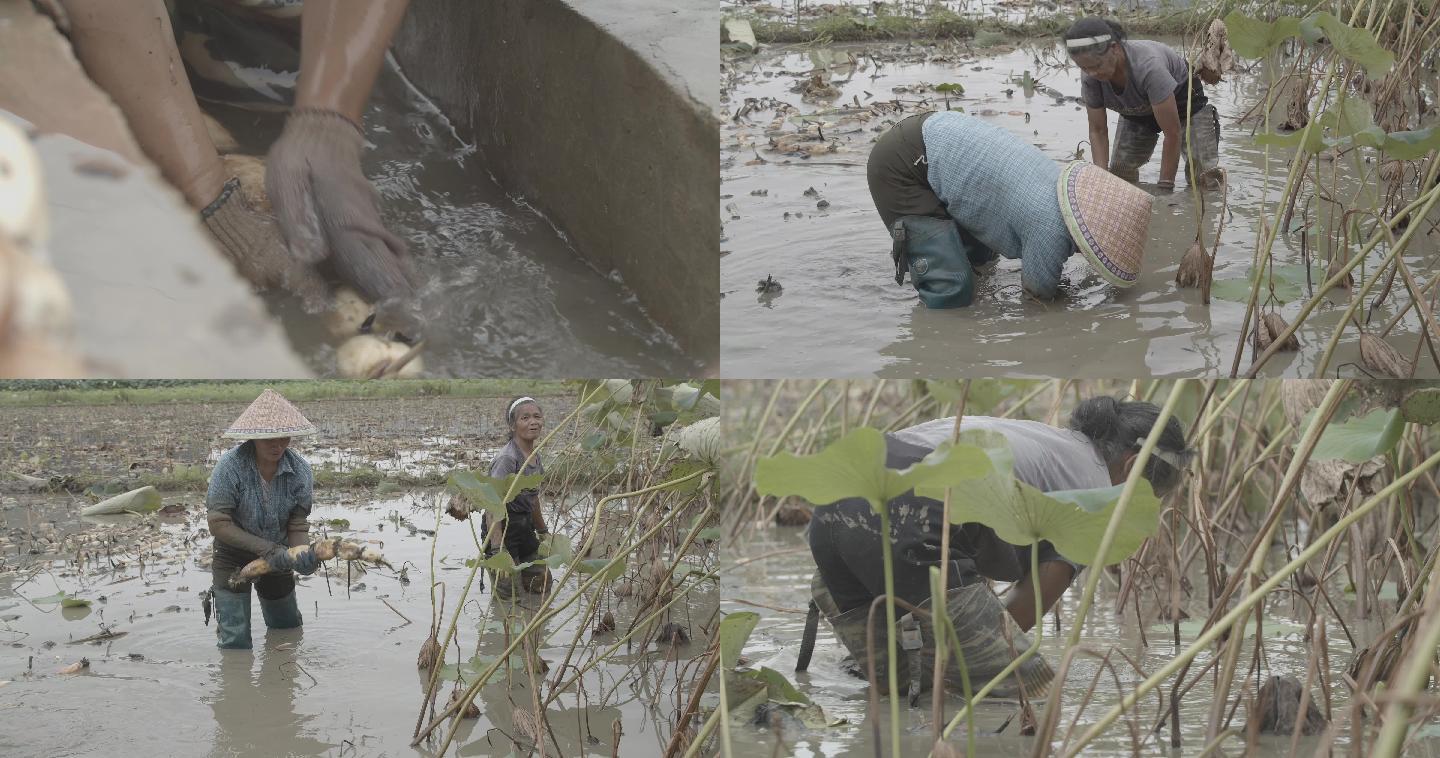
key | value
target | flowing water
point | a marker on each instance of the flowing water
(810, 224)
(503, 292)
(782, 581)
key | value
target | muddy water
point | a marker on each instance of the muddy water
(841, 314)
(503, 292)
(783, 581)
(345, 684)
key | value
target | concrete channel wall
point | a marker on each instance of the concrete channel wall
(601, 114)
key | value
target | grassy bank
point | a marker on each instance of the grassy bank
(101, 392)
(849, 24)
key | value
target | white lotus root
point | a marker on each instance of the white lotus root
(368, 356)
(324, 549)
(36, 312)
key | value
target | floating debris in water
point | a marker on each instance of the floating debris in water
(607, 623)
(674, 634)
(1277, 709)
(768, 286)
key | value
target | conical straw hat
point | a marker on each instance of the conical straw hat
(1108, 219)
(269, 417)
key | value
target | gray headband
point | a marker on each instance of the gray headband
(1179, 460)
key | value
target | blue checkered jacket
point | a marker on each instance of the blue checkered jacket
(1002, 190)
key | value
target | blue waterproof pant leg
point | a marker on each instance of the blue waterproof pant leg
(232, 619)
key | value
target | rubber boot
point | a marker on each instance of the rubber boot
(982, 626)
(940, 268)
(535, 578)
(232, 619)
(282, 613)
(505, 585)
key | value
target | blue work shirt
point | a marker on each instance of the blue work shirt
(235, 486)
(1002, 190)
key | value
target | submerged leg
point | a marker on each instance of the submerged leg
(277, 601)
(1134, 144)
(232, 619)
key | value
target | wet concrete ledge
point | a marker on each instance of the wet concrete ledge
(600, 113)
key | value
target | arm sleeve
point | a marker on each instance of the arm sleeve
(225, 530)
(1158, 84)
(302, 492)
(1041, 265)
(222, 494)
(503, 466)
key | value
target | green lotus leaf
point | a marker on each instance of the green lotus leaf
(487, 492)
(1254, 38)
(1354, 44)
(1074, 521)
(734, 630)
(1359, 439)
(854, 466)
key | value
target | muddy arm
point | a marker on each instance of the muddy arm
(1168, 117)
(341, 47)
(1099, 137)
(297, 530)
(223, 527)
(1055, 577)
(129, 50)
(538, 514)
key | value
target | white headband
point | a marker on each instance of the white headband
(518, 402)
(1086, 41)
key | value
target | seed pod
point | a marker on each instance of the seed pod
(1348, 283)
(459, 507)
(429, 653)
(1269, 328)
(471, 711)
(526, 722)
(1377, 355)
(607, 623)
(658, 573)
(674, 634)
(1392, 171)
(1194, 267)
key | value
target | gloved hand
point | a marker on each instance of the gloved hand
(307, 563)
(280, 560)
(252, 241)
(326, 206)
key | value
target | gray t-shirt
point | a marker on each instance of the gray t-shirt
(509, 461)
(1046, 458)
(1156, 71)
